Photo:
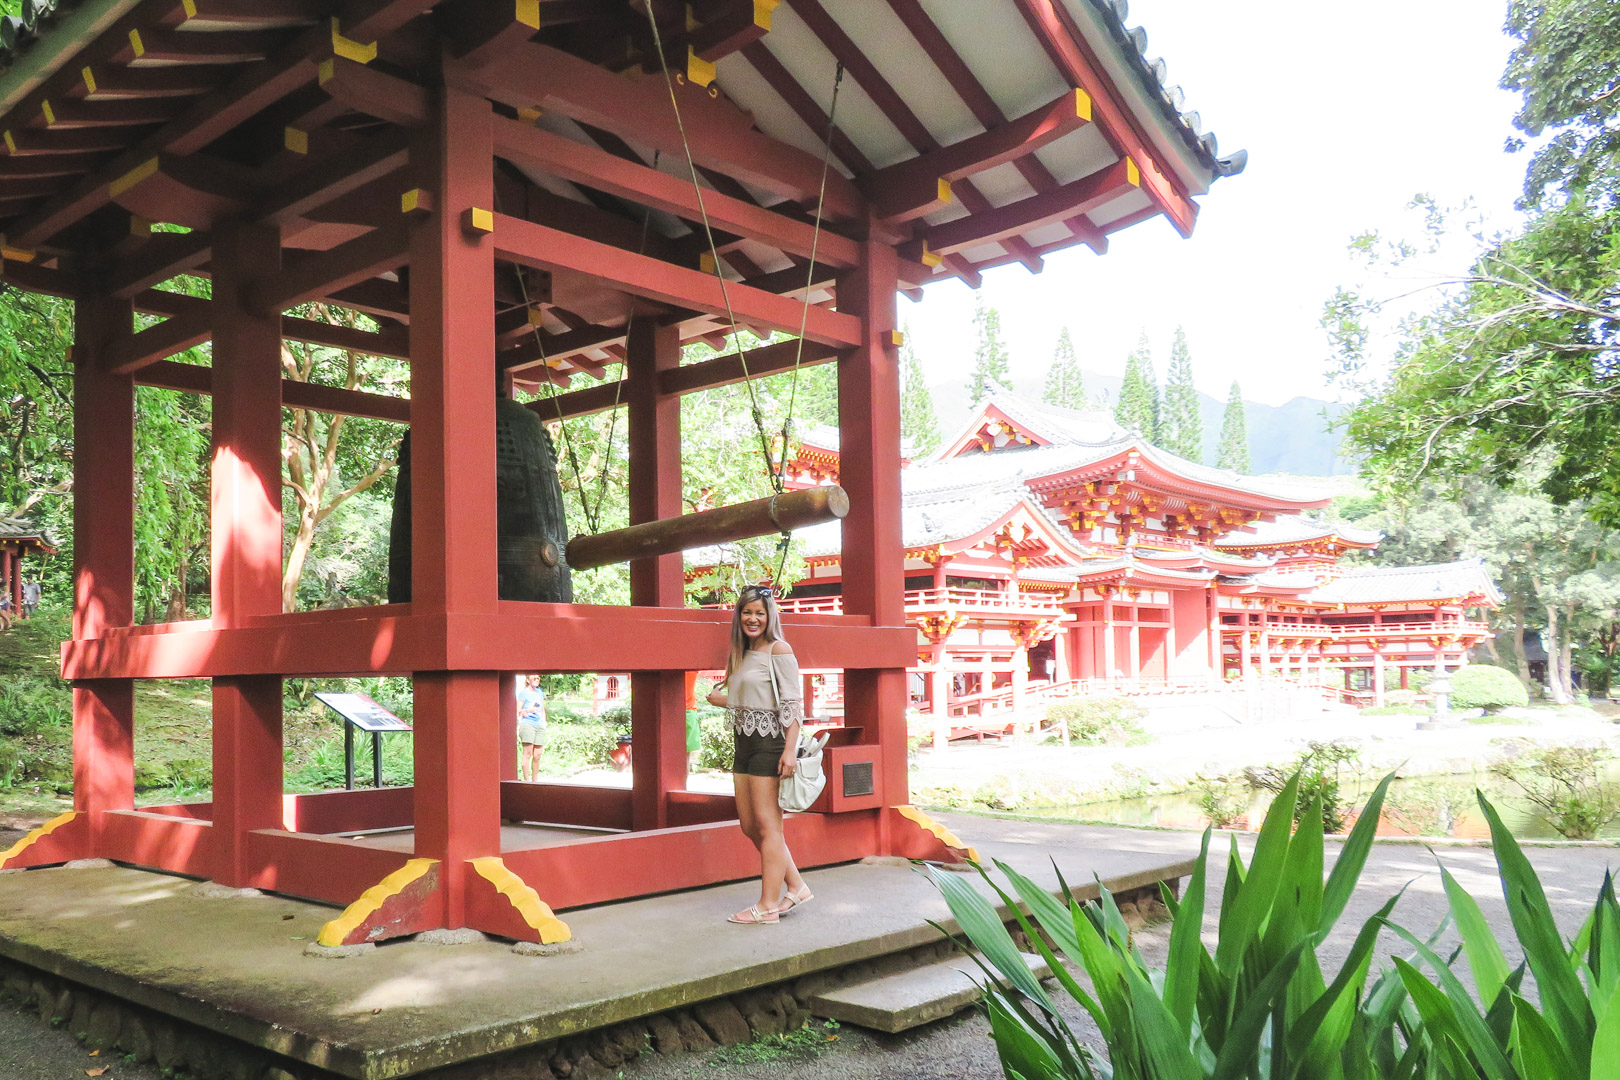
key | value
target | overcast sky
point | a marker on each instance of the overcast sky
(1347, 111)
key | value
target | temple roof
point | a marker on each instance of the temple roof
(1299, 529)
(23, 531)
(1434, 582)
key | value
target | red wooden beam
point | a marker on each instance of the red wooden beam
(160, 258)
(66, 114)
(598, 169)
(914, 180)
(210, 117)
(1065, 43)
(719, 134)
(109, 83)
(196, 379)
(804, 106)
(367, 90)
(586, 402)
(894, 107)
(736, 367)
(332, 177)
(315, 276)
(211, 15)
(158, 342)
(481, 29)
(391, 341)
(367, 20)
(983, 107)
(148, 47)
(1081, 196)
(37, 166)
(545, 248)
(22, 142)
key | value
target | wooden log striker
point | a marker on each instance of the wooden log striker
(779, 513)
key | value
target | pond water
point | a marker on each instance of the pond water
(1415, 806)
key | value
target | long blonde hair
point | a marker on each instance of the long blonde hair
(773, 623)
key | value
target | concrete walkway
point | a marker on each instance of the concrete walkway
(961, 1049)
(238, 965)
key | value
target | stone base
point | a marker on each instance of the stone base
(146, 963)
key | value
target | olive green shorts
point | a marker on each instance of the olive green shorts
(758, 755)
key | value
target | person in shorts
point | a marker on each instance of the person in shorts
(531, 706)
(762, 695)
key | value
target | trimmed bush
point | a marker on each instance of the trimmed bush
(1100, 719)
(1480, 686)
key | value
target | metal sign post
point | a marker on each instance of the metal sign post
(359, 711)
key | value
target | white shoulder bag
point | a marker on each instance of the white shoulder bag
(804, 787)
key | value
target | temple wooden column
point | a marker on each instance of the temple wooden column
(869, 442)
(103, 562)
(657, 698)
(245, 524)
(452, 346)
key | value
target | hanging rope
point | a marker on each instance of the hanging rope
(775, 475)
(592, 513)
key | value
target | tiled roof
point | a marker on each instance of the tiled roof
(1153, 75)
(1297, 529)
(15, 528)
(1375, 584)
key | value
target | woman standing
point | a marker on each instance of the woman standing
(761, 693)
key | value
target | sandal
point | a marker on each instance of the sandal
(754, 916)
(796, 899)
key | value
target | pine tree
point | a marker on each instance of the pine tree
(918, 424)
(990, 356)
(1138, 408)
(1180, 429)
(1234, 449)
(1065, 386)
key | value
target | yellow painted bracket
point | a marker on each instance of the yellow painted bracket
(535, 911)
(929, 258)
(34, 837)
(698, 70)
(137, 46)
(476, 221)
(416, 201)
(349, 49)
(940, 832)
(372, 900)
(295, 139)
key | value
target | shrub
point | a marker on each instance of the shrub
(1480, 686)
(1400, 697)
(1321, 769)
(1099, 719)
(1222, 801)
(716, 745)
(580, 746)
(1564, 782)
(1261, 1006)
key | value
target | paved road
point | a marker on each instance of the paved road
(960, 1049)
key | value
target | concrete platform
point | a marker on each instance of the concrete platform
(909, 999)
(237, 966)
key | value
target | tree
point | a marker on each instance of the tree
(1233, 452)
(1181, 431)
(1513, 359)
(1065, 385)
(323, 469)
(1564, 68)
(918, 424)
(990, 371)
(1138, 408)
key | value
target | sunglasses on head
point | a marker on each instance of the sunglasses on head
(763, 592)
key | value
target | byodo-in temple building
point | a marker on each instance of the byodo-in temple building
(19, 538)
(556, 194)
(1049, 553)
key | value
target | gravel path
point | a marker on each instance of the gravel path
(960, 1048)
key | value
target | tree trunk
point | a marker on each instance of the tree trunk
(1567, 652)
(1519, 654)
(1557, 679)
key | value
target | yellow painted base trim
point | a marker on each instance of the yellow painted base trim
(28, 841)
(944, 835)
(371, 900)
(535, 911)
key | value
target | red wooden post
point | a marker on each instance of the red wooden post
(452, 343)
(509, 747)
(873, 563)
(103, 557)
(657, 698)
(245, 516)
(16, 583)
